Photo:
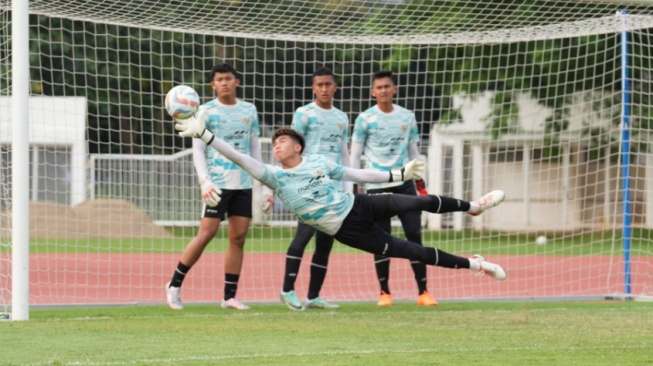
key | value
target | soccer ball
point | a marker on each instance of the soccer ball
(182, 102)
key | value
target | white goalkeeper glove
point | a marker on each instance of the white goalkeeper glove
(411, 171)
(210, 192)
(267, 201)
(195, 127)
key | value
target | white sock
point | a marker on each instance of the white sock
(474, 207)
(474, 264)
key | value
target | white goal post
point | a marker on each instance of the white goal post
(548, 100)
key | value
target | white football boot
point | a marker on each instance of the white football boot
(488, 201)
(489, 269)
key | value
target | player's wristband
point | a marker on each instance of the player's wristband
(207, 136)
(397, 175)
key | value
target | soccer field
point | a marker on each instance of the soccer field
(603, 333)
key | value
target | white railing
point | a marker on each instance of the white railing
(165, 186)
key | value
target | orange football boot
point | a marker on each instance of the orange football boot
(385, 299)
(425, 299)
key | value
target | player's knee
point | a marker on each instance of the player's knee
(415, 236)
(413, 230)
(320, 259)
(322, 251)
(238, 240)
(295, 252)
(323, 246)
(204, 237)
(299, 243)
(418, 255)
(409, 250)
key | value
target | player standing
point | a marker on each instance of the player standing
(387, 135)
(326, 130)
(226, 188)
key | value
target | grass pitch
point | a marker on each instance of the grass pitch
(602, 333)
(277, 239)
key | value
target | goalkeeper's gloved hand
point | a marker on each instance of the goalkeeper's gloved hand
(411, 171)
(195, 127)
(210, 192)
(267, 202)
(420, 186)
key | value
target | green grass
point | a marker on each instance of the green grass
(602, 333)
(276, 240)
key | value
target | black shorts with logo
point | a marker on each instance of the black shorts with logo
(233, 202)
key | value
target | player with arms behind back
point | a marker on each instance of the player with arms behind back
(387, 135)
(326, 130)
(226, 188)
(305, 184)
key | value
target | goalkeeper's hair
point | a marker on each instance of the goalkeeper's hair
(287, 131)
(323, 71)
(382, 75)
(222, 69)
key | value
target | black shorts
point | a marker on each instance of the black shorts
(407, 188)
(233, 202)
(360, 230)
(411, 221)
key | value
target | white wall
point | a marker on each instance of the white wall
(55, 121)
(563, 195)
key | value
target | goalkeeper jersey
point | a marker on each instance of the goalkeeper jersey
(325, 130)
(234, 124)
(308, 190)
(385, 138)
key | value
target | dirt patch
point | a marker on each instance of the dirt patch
(103, 218)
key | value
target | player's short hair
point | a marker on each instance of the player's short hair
(323, 71)
(382, 75)
(222, 69)
(287, 131)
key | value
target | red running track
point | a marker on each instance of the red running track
(134, 278)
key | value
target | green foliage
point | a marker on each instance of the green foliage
(552, 71)
(126, 71)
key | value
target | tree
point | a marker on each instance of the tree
(550, 70)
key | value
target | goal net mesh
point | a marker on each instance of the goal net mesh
(520, 96)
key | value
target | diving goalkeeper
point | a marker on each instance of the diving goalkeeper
(305, 184)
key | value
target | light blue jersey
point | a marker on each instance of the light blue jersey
(234, 124)
(385, 138)
(309, 192)
(325, 130)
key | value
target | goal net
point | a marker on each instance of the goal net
(546, 100)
